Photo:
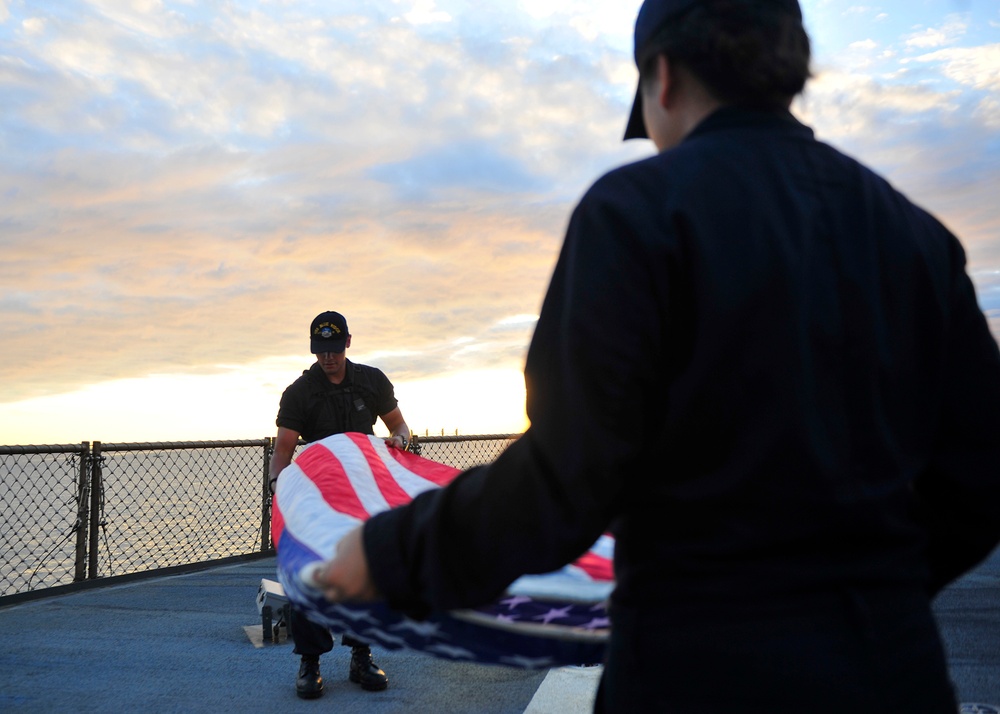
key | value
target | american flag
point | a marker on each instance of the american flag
(334, 484)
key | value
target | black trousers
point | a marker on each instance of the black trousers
(855, 651)
(312, 639)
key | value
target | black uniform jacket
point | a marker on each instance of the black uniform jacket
(760, 366)
(316, 408)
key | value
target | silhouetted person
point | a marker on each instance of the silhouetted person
(766, 372)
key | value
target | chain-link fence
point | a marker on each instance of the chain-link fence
(462, 452)
(85, 511)
(45, 494)
(164, 504)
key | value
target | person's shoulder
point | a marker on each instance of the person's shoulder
(639, 170)
(638, 190)
(302, 381)
(663, 173)
(296, 391)
(623, 184)
(368, 370)
(852, 171)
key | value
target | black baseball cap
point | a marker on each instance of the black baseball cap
(328, 333)
(652, 16)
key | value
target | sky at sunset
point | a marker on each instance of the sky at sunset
(184, 184)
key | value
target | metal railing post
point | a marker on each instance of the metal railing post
(265, 499)
(82, 513)
(95, 508)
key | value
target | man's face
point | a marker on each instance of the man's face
(334, 364)
(331, 362)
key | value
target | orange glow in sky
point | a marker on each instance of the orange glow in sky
(184, 186)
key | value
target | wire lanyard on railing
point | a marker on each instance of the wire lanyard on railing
(103, 522)
(75, 528)
(44, 559)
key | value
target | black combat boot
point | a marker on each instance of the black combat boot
(365, 672)
(309, 684)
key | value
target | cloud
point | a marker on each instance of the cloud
(947, 34)
(164, 174)
(425, 12)
(461, 167)
(859, 10)
(977, 67)
(185, 185)
(866, 45)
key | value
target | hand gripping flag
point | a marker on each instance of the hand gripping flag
(334, 484)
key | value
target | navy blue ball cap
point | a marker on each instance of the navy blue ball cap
(328, 333)
(652, 16)
(636, 127)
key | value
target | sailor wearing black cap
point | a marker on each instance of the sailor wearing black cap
(762, 368)
(333, 396)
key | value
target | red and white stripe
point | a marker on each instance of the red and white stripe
(339, 482)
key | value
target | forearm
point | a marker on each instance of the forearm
(403, 431)
(399, 432)
(281, 456)
(278, 464)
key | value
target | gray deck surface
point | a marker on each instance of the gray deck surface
(179, 644)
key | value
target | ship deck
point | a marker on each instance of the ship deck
(193, 642)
